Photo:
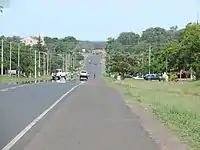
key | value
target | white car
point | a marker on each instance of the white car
(138, 77)
(84, 75)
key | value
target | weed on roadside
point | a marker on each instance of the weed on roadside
(174, 104)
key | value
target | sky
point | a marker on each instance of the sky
(94, 20)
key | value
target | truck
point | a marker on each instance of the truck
(84, 75)
(58, 74)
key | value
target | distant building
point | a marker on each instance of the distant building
(99, 50)
(29, 41)
(32, 40)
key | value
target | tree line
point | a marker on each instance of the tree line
(157, 50)
(64, 53)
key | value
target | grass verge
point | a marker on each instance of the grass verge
(8, 79)
(177, 105)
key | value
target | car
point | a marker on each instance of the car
(152, 77)
(138, 77)
(84, 75)
(128, 76)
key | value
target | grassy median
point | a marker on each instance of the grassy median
(177, 104)
(14, 79)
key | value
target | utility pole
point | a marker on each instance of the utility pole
(166, 64)
(149, 59)
(35, 64)
(18, 58)
(69, 60)
(2, 57)
(10, 57)
(50, 60)
(39, 66)
(44, 63)
(142, 63)
(72, 62)
(63, 65)
(47, 63)
(66, 61)
(197, 4)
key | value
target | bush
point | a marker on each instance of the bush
(173, 76)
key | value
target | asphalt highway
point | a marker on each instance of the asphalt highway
(22, 103)
(93, 117)
(19, 106)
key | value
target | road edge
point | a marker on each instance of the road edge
(164, 138)
(157, 131)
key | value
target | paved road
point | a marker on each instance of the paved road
(95, 66)
(94, 117)
(18, 107)
(22, 103)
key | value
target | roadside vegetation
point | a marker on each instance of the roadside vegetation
(174, 104)
(51, 53)
(157, 50)
(175, 51)
(14, 79)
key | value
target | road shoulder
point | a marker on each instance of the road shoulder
(164, 138)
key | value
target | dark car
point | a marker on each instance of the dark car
(152, 77)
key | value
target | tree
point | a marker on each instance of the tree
(1, 9)
(128, 38)
(172, 50)
(191, 44)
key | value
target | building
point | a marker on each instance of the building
(98, 50)
(32, 40)
(29, 41)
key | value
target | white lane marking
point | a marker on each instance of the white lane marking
(3, 90)
(9, 88)
(14, 87)
(24, 131)
(21, 85)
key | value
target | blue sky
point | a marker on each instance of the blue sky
(94, 19)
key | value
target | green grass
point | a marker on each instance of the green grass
(13, 79)
(175, 104)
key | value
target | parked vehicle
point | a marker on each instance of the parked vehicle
(152, 77)
(138, 77)
(128, 76)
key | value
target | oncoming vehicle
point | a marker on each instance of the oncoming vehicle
(58, 75)
(84, 75)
